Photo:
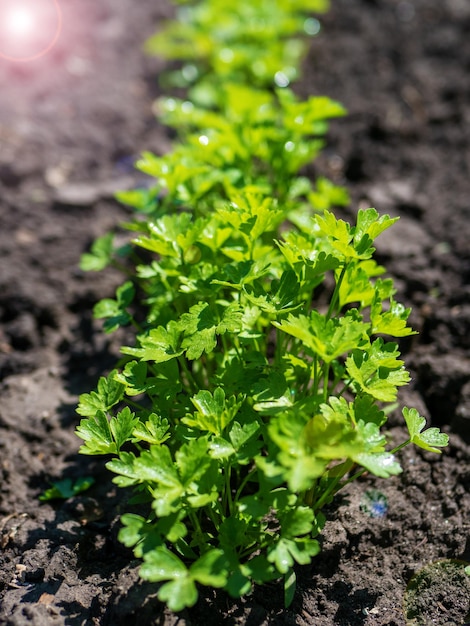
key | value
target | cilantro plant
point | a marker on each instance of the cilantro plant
(265, 359)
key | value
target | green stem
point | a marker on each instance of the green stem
(228, 490)
(124, 270)
(342, 391)
(214, 518)
(315, 377)
(333, 486)
(199, 535)
(401, 446)
(189, 377)
(244, 483)
(326, 371)
(279, 352)
(135, 404)
(335, 296)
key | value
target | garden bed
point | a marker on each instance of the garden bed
(70, 125)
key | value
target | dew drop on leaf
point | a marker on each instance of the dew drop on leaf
(312, 26)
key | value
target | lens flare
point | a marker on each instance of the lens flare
(19, 22)
(28, 29)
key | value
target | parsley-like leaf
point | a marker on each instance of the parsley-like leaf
(430, 439)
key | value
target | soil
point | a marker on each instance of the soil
(71, 124)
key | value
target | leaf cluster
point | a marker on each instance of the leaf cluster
(265, 357)
(259, 43)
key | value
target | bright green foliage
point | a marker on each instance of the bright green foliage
(239, 445)
(256, 139)
(264, 360)
(431, 439)
(100, 255)
(259, 42)
(66, 488)
(115, 311)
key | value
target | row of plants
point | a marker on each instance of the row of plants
(263, 368)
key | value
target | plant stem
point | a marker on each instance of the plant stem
(189, 377)
(244, 483)
(228, 489)
(326, 371)
(135, 404)
(198, 531)
(335, 296)
(333, 486)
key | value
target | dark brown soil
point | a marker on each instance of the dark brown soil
(70, 125)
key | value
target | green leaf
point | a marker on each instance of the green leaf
(232, 532)
(108, 393)
(330, 434)
(431, 439)
(142, 199)
(296, 521)
(161, 564)
(192, 461)
(100, 256)
(160, 345)
(178, 594)
(338, 234)
(327, 195)
(156, 465)
(366, 410)
(102, 436)
(201, 325)
(163, 235)
(238, 274)
(356, 285)
(124, 467)
(290, 585)
(67, 488)
(285, 552)
(122, 426)
(369, 226)
(377, 371)
(133, 529)
(96, 433)
(382, 464)
(353, 242)
(282, 297)
(392, 322)
(214, 411)
(162, 379)
(305, 256)
(259, 569)
(245, 439)
(114, 311)
(220, 448)
(211, 569)
(154, 430)
(328, 338)
(299, 465)
(238, 584)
